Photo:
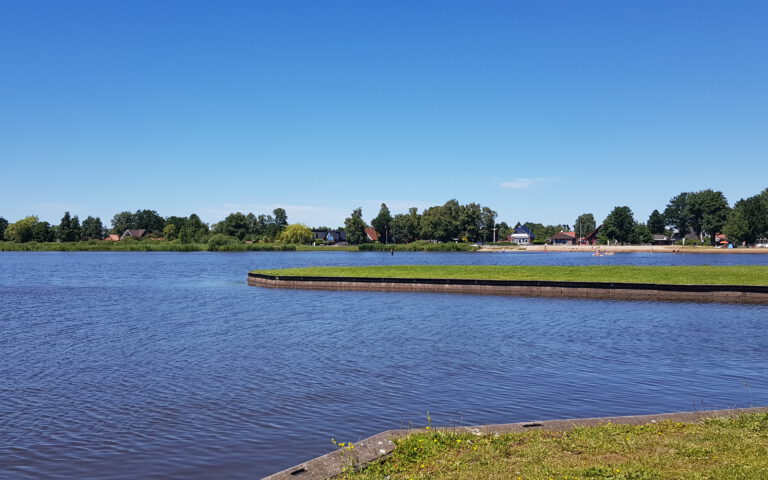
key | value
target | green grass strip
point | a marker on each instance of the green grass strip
(734, 448)
(674, 275)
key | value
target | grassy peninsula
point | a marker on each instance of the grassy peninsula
(716, 448)
(675, 275)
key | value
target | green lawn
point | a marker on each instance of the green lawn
(716, 449)
(719, 275)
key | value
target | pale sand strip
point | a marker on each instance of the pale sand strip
(621, 249)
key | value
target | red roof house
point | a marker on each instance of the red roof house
(372, 234)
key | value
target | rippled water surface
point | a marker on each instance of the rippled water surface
(167, 365)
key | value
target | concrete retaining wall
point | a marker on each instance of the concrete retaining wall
(382, 444)
(746, 294)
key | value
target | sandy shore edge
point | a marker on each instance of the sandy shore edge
(620, 249)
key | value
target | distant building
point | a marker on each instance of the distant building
(329, 236)
(592, 238)
(372, 234)
(113, 237)
(658, 239)
(563, 238)
(522, 235)
(690, 235)
(138, 233)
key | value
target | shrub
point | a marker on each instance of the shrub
(223, 243)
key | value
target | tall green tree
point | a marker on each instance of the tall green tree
(619, 226)
(446, 223)
(738, 228)
(487, 224)
(354, 226)
(22, 230)
(186, 229)
(43, 232)
(748, 220)
(69, 229)
(255, 229)
(640, 235)
(195, 230)
(92, 228)
(281, 218)
(404, 228)
(123, 221)
(708, 212)
(470, 222)
(381, 223)
(656, 223)
(437, 224)
(3, 226)
(148, 220)
(503, 231)
(234, 225)
(76, 228)
(296, 233)
(677, 214)
(173, 227)
(584, 225)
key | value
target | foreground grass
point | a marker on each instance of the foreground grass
(716, 449)
(720, 275)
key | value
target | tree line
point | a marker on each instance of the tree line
(191, 229)
(704, 214)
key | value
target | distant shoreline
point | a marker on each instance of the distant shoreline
(164, 246)
(621, 249)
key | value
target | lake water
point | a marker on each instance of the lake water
(167, 365)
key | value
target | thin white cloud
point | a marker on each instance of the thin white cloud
(520, 183)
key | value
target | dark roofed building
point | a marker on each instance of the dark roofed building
(329, 236)
(591, 239)
(563, 238)
(658, 239)
(138, 233)
(522, 235)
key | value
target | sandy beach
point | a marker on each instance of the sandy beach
(621, 249)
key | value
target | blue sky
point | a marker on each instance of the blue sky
(540, 110)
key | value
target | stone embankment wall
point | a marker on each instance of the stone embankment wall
(382, 444)
(746, 294)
